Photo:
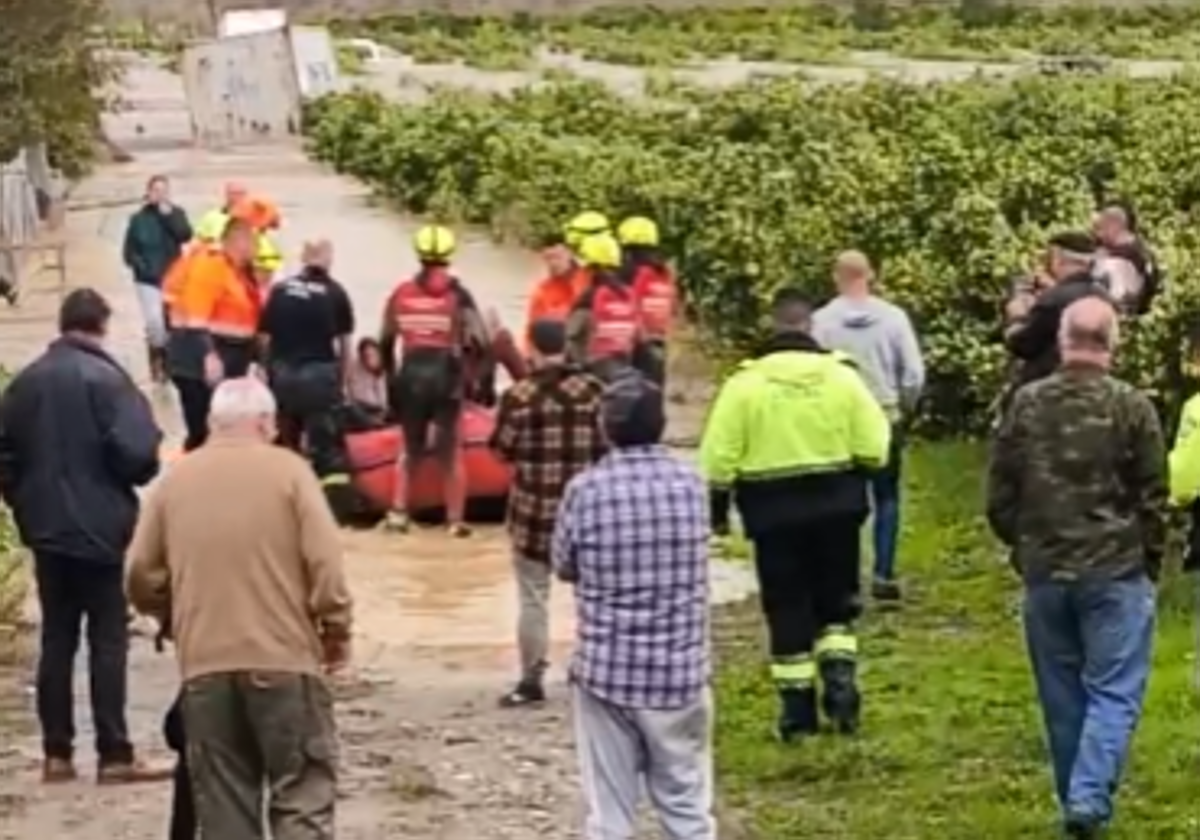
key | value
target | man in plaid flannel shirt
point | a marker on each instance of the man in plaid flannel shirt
(632, 535)
(548, 428)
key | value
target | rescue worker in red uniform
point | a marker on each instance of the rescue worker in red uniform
(604, 330)
(654, 285)
(437, 323)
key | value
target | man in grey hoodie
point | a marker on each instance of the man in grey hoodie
(879, 337)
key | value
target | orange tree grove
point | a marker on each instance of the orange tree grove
(950, 188)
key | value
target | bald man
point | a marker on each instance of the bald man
(879, 337)
(234, 193)
(1077, 488)
(243, 525)
(1125, 264)
(306, 326)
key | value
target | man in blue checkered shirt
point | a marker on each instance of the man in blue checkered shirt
(632, 535)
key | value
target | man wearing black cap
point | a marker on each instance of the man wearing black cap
(632, 535)
(1033, 334)
(548, 428)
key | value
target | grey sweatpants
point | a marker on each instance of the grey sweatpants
(533, 622)
(667, 751)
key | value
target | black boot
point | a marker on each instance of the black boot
(886, 591)
(798, 714)
(1077, 828)
(840, 700)
(529, 692)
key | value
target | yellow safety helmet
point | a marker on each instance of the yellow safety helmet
(600, 250)
(211, 226)
(434, 243)
(587, 223)
(638, 231)
(266, 256)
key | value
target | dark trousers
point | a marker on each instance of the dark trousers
(426, 397)
(651, 361)
(195, 398)
(316, 436)
(308, 395)
(71, 591)
(256, 735)
(183, 804)
(808, 579)
(610, 368)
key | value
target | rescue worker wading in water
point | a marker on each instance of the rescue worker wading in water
(604, 327)
(436, 321)
(653, 284)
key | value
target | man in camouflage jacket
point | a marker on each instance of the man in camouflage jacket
(1077, 489)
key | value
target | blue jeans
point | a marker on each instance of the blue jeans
(1090, 648)
(885, 511)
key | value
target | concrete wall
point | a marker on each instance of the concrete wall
(242, 88)
(200, 15)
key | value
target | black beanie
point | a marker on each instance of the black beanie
(633, 411)
(1079, 244)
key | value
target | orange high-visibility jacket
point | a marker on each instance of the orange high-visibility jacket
(553, 298)
(173, 280)
(216, 296)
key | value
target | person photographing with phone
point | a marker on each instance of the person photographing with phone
(238, 552)
(154, 239)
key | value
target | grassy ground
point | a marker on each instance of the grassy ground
(952, 745)
(14, 583)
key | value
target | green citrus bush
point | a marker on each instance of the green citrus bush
(949, 188)
(800, 33)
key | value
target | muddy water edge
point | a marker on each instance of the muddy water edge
(426, 752)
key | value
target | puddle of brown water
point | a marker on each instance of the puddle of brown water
(456, 598)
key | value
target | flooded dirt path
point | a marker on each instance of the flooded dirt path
(427, 754)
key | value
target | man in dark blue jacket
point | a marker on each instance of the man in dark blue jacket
(76, 438)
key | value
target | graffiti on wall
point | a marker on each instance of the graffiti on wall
(242, 88)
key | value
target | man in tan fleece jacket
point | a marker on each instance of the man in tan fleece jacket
(238, 551)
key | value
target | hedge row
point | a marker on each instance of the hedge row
(950, 188)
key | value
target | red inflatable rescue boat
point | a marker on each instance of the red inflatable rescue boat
(372, 457)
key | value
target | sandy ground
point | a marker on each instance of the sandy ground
(426, 752)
